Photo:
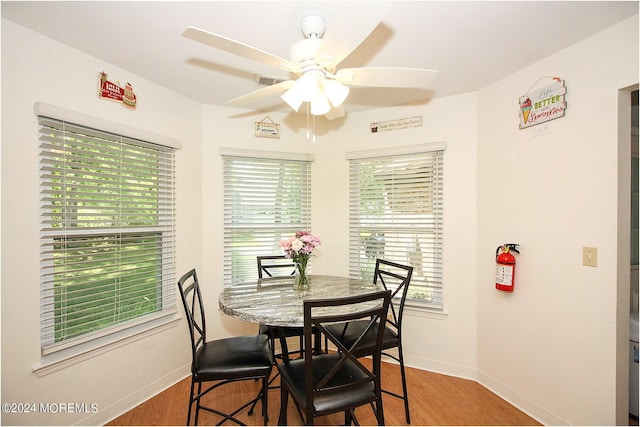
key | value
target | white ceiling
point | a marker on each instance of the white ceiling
(470, 43)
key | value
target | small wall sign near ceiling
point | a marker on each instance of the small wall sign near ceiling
(541, 105)
(409, 122)
(114, 92)
(267, 128)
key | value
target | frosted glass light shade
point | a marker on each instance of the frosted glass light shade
(309, 86)
(336, 92)
(293, 97)
(320, 106)
(322, 93)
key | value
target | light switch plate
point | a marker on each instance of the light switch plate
(589, 256)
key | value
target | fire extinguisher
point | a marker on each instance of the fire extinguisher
(506, 266)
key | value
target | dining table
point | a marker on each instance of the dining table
(274, 301)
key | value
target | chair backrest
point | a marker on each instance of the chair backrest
(396, 278)
(275, 265)
(194, 310)
(330, 375)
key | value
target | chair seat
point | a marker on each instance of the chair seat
(231, 358)
(367, 345)
(330, 401)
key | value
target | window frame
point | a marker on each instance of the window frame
(244, 267)
(56, 355)
(428, 277)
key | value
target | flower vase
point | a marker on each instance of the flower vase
(301, 280)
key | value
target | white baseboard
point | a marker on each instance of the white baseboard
(104, 415)
(521, 402)
(503, 391)
(440, 367)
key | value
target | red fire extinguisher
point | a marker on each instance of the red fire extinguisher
(506, 266)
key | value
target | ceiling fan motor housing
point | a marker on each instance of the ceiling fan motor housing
(304, 50)
(312, 26)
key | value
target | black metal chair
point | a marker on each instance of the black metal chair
(272, 266)
(224, 360)
(275, 265)
(329, 383)
(394, 277)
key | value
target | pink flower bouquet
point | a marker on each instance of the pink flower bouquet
(300, 245)
(299, 248)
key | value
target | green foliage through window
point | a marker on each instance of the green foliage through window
(107, 215)
(395, 213)
(265, 201)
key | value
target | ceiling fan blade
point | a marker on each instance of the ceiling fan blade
(335, 113)
(238, 48)
(250, 99)
(353, 24)
(387, 77)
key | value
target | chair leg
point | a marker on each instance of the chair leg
(404, 385)
(284, 401)
(380, 412)
(348, 419)
(198, 402)
(269, 382)
(265, 399)
(190, 402)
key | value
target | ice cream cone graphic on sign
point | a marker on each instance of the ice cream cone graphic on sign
(525, 107)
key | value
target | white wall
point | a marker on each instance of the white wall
(35, 68)
(550, 346)
(444, 343)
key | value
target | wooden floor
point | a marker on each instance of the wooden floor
(434, 400)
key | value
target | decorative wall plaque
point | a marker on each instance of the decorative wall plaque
(541, 105)
(115, 92)
(409, 122)
(267, 128)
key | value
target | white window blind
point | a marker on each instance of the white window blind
(395, 213)
(265, 200)
(107, 233)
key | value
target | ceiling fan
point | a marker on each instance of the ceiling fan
(315, 58)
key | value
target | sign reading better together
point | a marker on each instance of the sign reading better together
(542, 105)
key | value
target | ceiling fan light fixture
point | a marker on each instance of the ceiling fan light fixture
(336, 92)
(293, 97)
(320, 106)
(309, 87)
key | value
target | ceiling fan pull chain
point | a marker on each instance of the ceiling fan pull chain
(313, 118)
(308, 127)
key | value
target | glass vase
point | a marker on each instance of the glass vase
(301, 280)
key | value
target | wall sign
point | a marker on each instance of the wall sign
(114, 92)
(409, 122)
(267, 128)
(541, 105)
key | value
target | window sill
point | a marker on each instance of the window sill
(417, 310)
(72, 356)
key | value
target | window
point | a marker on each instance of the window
(107, 232)
(395, 213)
(265, 200)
